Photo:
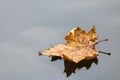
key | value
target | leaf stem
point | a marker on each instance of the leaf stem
(39, 53)
(104, 52)
(100, 41)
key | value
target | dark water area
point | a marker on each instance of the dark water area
(29, 26)
(70, 67)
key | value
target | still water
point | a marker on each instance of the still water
(20, 61)
(27, 26)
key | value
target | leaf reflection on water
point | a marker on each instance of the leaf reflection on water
(70, 67)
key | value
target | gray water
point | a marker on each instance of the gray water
(27, 26)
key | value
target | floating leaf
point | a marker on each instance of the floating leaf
(80, 45)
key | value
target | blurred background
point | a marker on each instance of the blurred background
(27, 26)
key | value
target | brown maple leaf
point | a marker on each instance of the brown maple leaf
(80, 46)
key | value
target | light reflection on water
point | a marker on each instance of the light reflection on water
(28, 26)
(70, 67)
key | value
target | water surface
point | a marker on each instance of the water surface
(28, 26)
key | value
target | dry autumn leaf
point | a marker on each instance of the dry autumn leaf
(80, 46)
